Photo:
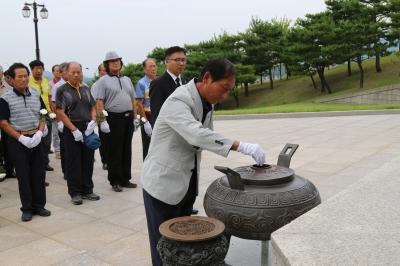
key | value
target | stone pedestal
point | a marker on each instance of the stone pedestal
(193, 240)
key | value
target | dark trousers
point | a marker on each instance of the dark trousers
(30, 171)
(158, 212)
(47, 144)
(8, 166)
(62, 151)
(103, 148)
(145, 142)
(78, 163)
(120, 155)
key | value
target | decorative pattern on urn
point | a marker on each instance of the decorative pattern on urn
(255, 214)
(211, 252)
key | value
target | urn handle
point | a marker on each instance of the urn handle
(234, 179)
(286, 154)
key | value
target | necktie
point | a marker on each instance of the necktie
(177, 82)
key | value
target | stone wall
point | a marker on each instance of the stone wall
(383, 95)
(358, 226)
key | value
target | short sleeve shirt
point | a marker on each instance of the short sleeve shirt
(77, 105)
(21, 110)
(116, 92)
(54, 89)
(142, 92)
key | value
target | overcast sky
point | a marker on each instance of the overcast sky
(84, 30)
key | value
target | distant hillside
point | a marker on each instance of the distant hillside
(299, 89)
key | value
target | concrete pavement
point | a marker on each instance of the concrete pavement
(334, 153)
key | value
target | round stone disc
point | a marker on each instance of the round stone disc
(191, 228)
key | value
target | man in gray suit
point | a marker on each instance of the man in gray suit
(183, 129)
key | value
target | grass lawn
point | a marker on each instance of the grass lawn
(297, 93)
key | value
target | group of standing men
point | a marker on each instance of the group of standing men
(176, 124)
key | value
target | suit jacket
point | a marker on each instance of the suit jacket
(160, 89)
(179, 135)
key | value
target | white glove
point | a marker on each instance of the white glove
(45, 131)
(254, 150)
(60, 126)
(136, 124)
(147, 128)
(105, 127)
(90, 128)
(37, 138)
(26, 141)
(77, 135)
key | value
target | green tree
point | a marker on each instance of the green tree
(133, 71)
(355, 33)
(377, 11)
(263, 45)
(312, 45)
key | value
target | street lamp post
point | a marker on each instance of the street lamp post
(26, 12)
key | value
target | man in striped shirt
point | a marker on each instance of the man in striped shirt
(19, 118)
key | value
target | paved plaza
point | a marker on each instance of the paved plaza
(334, 153)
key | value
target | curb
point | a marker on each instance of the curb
(307, 114)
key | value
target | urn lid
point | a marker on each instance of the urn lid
(262, 175)
(265, 174)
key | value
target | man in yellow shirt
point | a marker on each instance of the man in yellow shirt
(41, 84)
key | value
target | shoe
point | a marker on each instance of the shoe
(42, 212)
(57, 155)
(105, 166)
(26, 216)
(77, 200)
(195, 211)
(48, 168)
(46, 184)
(91, 196)
(117, 188)
(130, 185)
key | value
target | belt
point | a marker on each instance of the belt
(122, 114)
(28, 132)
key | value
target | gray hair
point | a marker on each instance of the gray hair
(1, 68)
(63, 66)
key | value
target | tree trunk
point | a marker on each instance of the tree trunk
(287, 71)
(349, 67)
(313, 81)
(378, 62)
(324, 83)
(261, 78)
(359, 63)
(271, 79)
(280, 71)
(246, 89)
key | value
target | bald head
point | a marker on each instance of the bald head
(75, 75)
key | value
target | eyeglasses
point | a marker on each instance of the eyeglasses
(178, 60)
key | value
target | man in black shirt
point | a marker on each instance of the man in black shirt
(76, 109)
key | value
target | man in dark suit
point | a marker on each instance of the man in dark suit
(163, 86)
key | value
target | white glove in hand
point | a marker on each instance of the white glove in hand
(77, 135)
(254, 150)
(90, 128)
(105, 127)
(26, 141)
(60, 126)
(45, 131)
(147, 128)
(37, 138)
